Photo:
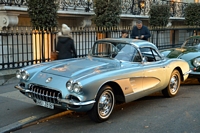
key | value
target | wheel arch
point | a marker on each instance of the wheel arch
(119, 95)
(181, 73)
(174, 83)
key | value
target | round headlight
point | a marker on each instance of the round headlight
(18, 74)
(24, 75)
(69, 86)
(196, 62)
(76, 88)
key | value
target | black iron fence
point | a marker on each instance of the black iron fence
(134, 7)
(24, 46)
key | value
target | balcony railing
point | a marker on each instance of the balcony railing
(131, 7)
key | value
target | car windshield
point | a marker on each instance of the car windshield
(192, 42)
(119, 51)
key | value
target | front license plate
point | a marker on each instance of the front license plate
(45, 104)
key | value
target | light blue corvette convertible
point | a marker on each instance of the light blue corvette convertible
(115, 71)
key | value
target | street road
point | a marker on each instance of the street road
(151, 114)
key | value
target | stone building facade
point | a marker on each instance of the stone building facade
(78, 13)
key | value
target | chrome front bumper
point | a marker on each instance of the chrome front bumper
(185, 75)
(72, 102)
(194, 74)
(66, 101)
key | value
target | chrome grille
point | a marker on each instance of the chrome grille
(45, 94)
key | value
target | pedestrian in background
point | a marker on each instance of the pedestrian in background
(65, 44)
(140, 31)
(124, 34)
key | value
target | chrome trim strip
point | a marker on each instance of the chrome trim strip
(72, 102)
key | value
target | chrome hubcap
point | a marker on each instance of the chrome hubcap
(105, 105)
(174, 84)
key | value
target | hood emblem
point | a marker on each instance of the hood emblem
(48, 79)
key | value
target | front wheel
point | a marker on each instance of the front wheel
(174, 84)
(104, 105)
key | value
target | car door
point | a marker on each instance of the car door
(154, 69)
(131, 64)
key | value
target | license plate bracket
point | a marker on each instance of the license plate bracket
(44, 104)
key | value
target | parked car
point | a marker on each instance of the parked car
(115, 71)
(190, 52)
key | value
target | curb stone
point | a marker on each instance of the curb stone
(19, 124)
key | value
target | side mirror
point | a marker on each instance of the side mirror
(144, 59)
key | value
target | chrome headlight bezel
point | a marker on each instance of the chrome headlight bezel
(73, 87)
(18, 74)
(77, 88)
(22, 74)
(196, 62)
(69, 86)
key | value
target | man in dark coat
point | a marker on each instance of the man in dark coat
(65, 44)
(140, 31)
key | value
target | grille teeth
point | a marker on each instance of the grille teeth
(45, 94)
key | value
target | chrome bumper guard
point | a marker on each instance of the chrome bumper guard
(187, 73)
(21, 89)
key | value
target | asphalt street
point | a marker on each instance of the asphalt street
(151, 114)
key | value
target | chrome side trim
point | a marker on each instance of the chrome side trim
(72, 102)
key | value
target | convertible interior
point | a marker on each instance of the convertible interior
(150, 54)
(125, 52)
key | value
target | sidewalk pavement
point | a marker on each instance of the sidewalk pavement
(7, 76)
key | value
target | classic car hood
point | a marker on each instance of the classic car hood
(80, 67)
(183, 53)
